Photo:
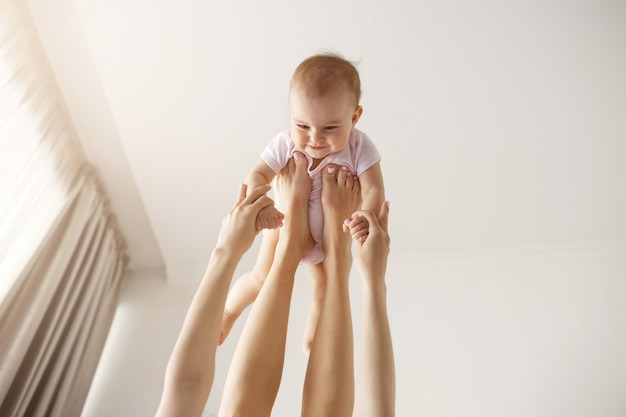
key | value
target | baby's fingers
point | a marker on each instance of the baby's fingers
(358, 227)
(359, 233)
(272, 222)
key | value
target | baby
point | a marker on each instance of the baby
(324, 97)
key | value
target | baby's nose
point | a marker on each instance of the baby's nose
(316, 136)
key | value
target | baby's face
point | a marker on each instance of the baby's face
(322, 125)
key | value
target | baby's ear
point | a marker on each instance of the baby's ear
(357, 115)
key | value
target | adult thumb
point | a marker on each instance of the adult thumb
(383, 216)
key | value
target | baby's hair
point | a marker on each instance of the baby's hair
(320, 73)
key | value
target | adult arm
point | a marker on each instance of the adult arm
(376, 391)
(191, 367)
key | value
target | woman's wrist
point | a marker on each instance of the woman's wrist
(373, 281)
(226, 254)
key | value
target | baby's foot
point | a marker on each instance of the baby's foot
(228, 320)
(341, 196)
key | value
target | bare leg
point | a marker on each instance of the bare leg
(245, 290)
(329, 382)
(256, 369)
(376, 391)
(318, 278)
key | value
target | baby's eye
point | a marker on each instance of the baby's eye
(329, 128)
(303, 126)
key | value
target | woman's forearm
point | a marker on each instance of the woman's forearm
(190, 371)
(377, 361)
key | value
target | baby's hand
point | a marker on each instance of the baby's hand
(358, 227)
(269, 218)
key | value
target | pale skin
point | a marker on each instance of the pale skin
(191, 368)
(254, 377)
(329, 382)
(377, 389)
(320, 126)
(255, 373)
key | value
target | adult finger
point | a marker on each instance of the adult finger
(241, 194)
(297, 155)
(260, 203)
(383, 216)
(256, 193)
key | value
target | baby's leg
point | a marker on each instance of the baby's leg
(245, 290)
(318, 275)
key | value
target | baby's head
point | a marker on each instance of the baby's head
(319, 74)
(324, 97)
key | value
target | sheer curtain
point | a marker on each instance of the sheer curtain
(62, 258)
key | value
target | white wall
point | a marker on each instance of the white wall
(499, 122)
(528, 332)
(509, 116)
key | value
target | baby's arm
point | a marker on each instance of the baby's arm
(260, 174)
(372, 196)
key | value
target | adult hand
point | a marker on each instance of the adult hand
(372, 253)
(239, 226)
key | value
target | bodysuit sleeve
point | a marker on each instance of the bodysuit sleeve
(276, 153)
